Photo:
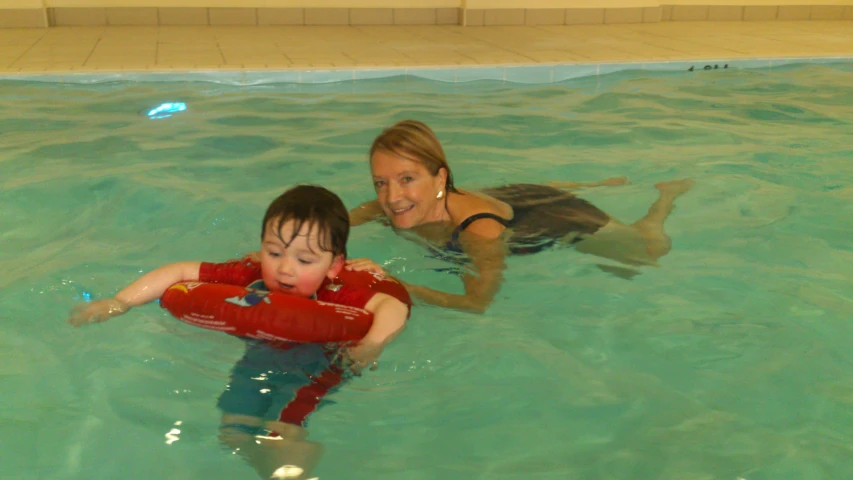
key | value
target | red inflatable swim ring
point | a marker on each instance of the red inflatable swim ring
(282, 318)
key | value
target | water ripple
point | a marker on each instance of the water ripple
(729, 360)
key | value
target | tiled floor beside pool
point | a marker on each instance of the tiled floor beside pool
(123, 49)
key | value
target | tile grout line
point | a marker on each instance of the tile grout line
(97, 42)
(32, 46)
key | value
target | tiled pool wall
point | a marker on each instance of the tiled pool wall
(35, 14)
(520, 74)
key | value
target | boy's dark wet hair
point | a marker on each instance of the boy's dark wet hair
(322, 210)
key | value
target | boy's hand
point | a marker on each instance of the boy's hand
(97, 311)
(365, 264)
(361, 356)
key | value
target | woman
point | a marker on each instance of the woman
(415, 192)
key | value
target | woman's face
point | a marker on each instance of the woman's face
(406, 190)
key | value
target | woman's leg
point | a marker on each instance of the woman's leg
(650, 227)
(287, 455)
(644, 241)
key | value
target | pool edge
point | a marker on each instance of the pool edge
(534, 73)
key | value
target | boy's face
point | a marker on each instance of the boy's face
(300, 267)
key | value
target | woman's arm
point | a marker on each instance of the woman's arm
(484, 280)
(365, 212)
(609, 182)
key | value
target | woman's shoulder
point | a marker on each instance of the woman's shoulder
(467, 203)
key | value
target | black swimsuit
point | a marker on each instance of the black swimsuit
(514, 248)
(541, 216)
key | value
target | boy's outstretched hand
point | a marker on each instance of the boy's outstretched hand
(361, 356)
(97, 311)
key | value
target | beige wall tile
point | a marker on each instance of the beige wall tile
(584, 16)
(652, 14)
(281, 16)
(146, 57)
(623, 15)
(793, 12)
(17, 50)
(41, 50)
(689, 13)
(183, 16)
(475, 17)
(545, 16)
(22, 18)
(44, 66)
(149, 49)
(666, 13)
(725, 13)
(755, 13)
(448, 16)
(414, 16)
(50, 58)
(5, 61)
(504, 16)
(233, 16)
(848, 13)
(189, 57)
(190, 35)
(827, 12)
(371, 16)
(239, 59)
(132, 16)
(137, 35)
(326, 16)
(79, 16)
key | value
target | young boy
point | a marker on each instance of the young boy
(274, 388)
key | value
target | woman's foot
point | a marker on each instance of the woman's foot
(675, 188)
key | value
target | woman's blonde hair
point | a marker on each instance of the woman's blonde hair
(414, 140)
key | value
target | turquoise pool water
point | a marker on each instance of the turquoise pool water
(729, 361)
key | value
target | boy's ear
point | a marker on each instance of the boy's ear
(337, 266)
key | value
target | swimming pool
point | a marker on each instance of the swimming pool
(729, 361)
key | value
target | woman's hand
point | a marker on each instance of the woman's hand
(97, 311)
(365, 264)
(607, 182)
(615, 182)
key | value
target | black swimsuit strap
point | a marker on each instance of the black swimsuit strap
(473, 218)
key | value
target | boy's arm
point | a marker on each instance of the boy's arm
(152, 285)
(389, 318)
(145, 289)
